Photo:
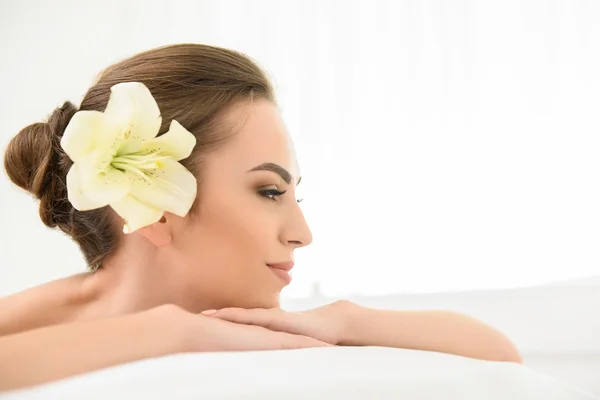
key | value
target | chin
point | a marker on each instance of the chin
(264, 293)
(256, 292)
(266, 299)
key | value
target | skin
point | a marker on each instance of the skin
(201, 283)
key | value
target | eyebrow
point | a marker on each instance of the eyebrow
(278, 169)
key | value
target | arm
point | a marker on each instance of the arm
(59, 351)
(440, 331)
(55, 352)
(347, 324)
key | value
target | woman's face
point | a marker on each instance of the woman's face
(241, 224)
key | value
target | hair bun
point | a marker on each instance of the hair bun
(35, 161)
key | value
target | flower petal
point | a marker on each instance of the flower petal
(136, 214)
(106, 187)
(79, 136)
(133, 115)
(98, 180)
(76, 196)
(171, 188)
(178, 142)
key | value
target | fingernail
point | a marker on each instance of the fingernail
(208, 312)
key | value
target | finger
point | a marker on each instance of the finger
(291, 341)
(273, 318)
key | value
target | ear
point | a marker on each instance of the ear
(159, 233)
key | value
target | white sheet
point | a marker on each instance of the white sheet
(578, 369)
(323, 373)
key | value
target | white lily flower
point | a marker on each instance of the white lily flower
(119, 161)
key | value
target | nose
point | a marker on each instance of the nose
(296, 231)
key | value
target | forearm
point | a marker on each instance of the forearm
(440, 331)
(59, 351)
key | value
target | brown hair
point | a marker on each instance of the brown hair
(192, 83)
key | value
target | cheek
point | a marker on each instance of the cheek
(225, 255)
(234, 237)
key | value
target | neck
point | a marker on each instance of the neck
(139, 276)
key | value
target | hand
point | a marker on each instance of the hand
(202, 333)
(327, 324)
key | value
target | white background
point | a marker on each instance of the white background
(445, 145)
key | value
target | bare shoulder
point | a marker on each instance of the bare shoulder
(48, 304)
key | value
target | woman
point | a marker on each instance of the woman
(189, 236)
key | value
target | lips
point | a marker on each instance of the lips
(286, 266)
(282, 270)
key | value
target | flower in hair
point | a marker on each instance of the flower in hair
(119, 161)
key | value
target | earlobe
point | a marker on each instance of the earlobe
(159, 233)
